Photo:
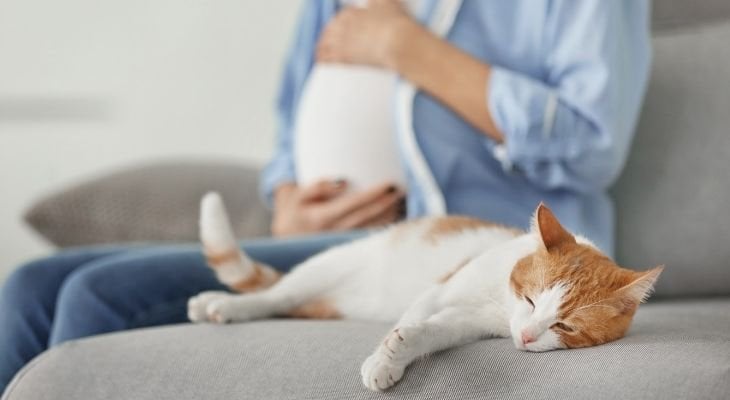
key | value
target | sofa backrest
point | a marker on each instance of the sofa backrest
(668, 15)
(673, 198)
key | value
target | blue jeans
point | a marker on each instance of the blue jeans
(92, 290)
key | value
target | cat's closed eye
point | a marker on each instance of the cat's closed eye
(562, 327)
(529, 300)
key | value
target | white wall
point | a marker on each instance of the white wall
(92, 85)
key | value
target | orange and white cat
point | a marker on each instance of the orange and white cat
(448, 281)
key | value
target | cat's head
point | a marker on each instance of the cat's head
(568, 294)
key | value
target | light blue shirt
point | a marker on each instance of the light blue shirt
(566, 86)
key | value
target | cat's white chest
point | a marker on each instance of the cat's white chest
(345, 127)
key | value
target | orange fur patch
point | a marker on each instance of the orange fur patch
(401, 229)
(449, 225)
(258, 280)
(551, 232)
(216, 259)
(316, 309)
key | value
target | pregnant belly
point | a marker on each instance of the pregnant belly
(345, 127)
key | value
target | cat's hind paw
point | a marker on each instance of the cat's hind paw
(224, 307)
(379, 373)
(198, 305)
(224, 311)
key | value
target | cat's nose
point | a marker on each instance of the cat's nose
(527, 338)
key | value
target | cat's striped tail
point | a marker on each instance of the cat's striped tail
(231, 265)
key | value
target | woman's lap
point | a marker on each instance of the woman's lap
(150, 287)
(94, 290)
(284, 253)
(28, 303)
(140, 288)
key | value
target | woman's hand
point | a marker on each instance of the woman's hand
(365, 36)
(324, 206)
(383, 35)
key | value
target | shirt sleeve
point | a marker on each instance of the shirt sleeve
(572, 128)
(299, 61)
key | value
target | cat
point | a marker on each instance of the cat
(448, 281)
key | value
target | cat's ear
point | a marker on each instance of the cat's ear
(638, 288)
(641, 285)
(548, 227)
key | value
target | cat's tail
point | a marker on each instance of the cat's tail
(231, 265)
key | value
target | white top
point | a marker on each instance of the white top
(345, 127)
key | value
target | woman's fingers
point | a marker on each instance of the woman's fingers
(325, 206)
(344, 205)
(381, 210)
(323, 190)
(389, 216)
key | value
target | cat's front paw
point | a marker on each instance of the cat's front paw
(385, 367)
(380, 373)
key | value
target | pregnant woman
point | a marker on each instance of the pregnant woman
(483, 108)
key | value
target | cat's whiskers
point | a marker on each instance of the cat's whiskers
(593, 305)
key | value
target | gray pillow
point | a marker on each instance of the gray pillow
(149, 203)
(672, 200)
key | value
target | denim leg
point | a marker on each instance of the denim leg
(132, 290)
(151, 287)
(28, 302)
(285, 253)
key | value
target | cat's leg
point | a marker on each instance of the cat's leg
(225, 307)
(280, 299)
(306, 283)
(452, 326)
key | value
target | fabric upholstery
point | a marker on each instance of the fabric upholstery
(668, 15)
(156, 202)
(673, 195)
(674, 350)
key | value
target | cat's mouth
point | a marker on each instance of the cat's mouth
(539, 346)
(534, 347)
(521, 346)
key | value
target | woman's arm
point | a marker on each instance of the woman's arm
(385, 36)
(447, 73)
(570, 129)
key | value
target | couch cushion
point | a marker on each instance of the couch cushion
(672, 198)
(674, 350)
(156, 202)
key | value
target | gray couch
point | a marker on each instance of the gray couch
(672, 208)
